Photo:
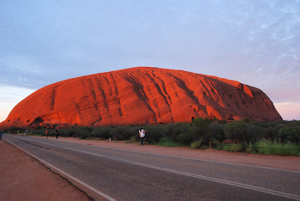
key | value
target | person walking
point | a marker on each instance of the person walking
(56, 133)
(142, 135)
(46, 133)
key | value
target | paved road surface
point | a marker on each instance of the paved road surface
(130, 175)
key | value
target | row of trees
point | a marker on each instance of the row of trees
(200, 130)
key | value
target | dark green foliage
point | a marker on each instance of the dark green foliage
(102, 132)
(37, 132)
(15, 130)
(154, 134)
(67, 132)
(224, 121)
(246, 120)
(243, 133)
(254, 132)
(270, 134)
(200, 130)
(172, 131)
(83, 133)
(217, 131)
(121, 133)
(168, 131)
(185, 138)
(237, 131)
(291, 133)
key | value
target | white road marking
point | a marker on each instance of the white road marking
(64, 173)
(236, 184)
(182, 157)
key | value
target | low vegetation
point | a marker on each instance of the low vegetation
(276, 138)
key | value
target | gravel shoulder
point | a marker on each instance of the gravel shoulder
(24, 178)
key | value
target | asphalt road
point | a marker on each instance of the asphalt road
(130, 175)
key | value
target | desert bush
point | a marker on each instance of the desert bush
(67, 132)
(246, 120)
(83, 133)
(199, 130)
(101, 132)
(166, 142)
(274, 148)
(154, 133)
(168, 129)
(223, 121)
(254, 132)
(236, 130)
(40, 132)
(121, 133)
(291, 133)
(171, 131)
(184, 138)
(15, 130)
(217, 131)
(234, 148)
(197, 144)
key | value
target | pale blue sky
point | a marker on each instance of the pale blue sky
(254, 42)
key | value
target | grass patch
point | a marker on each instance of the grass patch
(166, 142)
(274, 148)
(263, 147)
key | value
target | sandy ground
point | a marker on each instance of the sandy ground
(24, 178)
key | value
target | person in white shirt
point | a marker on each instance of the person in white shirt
(142, 135)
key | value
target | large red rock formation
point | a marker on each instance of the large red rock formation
(141, 95)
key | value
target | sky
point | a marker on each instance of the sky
(254, 42)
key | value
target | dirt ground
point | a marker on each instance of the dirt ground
(24, 178)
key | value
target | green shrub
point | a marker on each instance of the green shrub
(291, 133)
(197, 144)
(67, 132)
(102, 132)
(168, 130)
(171, 131)
(83, 133)
(166, 142)
(242, 132)
(154, 134)
(37, 132)
(217, 131)
(274, 148)
(15, 130)
(200, 129)
(236, 130)
(184, 138)
(121, 133)
(233, 148)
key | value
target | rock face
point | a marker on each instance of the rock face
(141, 95)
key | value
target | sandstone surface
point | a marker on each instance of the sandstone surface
(141, 95)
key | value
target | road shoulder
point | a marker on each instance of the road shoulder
(24, 178)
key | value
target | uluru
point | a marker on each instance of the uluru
(139, 96)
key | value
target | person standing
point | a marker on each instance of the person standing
(46, 133)
(142, 135)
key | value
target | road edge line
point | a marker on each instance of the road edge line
(64, 173)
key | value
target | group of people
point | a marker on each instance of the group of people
(56, 133)
(142, 133)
